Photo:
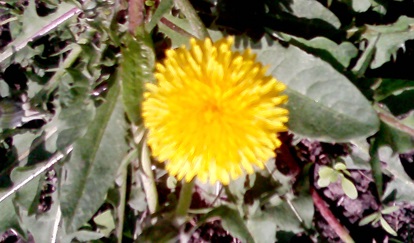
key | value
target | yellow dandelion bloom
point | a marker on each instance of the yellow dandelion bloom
(214, 113)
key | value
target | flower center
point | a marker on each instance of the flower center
(211, 112)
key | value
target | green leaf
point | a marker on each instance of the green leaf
(11, 113)
(163, 230)
(162, 9)
(77, 108)
(399, 141)
(349, 188)
(401, 188)
(196, 25)
(262, 228)
(136, 69)
(137, 200)
(304, 205)
(106, 222)
(340, 166)
(387, 227)
(33, 26)
(177, 38)
(4, 89)
(389, 87)
(392, 37)
(368, 219)
(28, 196)
(39, 152)
(325, 176)
(82, 236)
(285, 218)
(400, 104)
(231, 221)
(361, 5)
(325, 171)
(41, 225)
(366, 58)
(94, 162)
(9, 218)
(389, 210)
(329, 50)
(73, 123)
(323, 104)
(313, 10)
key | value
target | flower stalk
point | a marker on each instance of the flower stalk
(184, 201)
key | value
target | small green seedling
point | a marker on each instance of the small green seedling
(328, 175)
(378, 216)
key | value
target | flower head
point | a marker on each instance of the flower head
(214, 113)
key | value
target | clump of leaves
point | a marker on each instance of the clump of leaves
(376, 217)
(328, 175)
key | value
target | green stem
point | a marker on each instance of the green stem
(70, 59)
(123, 171)
(121, 209)
(148, 181)
(376, 166)
(384, 116)
(195, 21)
(184, 201)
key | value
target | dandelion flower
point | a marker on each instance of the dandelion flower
(214, 114)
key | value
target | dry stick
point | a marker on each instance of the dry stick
(56, 225)
(69, 14)
(320, 204)
(56, 158)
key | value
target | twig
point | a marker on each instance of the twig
(53, 24)
(55, 158)
(340, 230)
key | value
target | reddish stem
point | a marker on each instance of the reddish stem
(135, 14)
(396, 123)
(340, 230)
(174, 27)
